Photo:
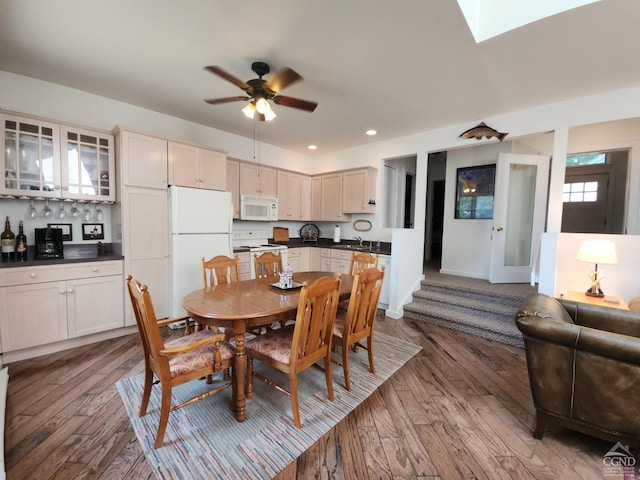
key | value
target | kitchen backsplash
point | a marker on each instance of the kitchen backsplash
(18, 209)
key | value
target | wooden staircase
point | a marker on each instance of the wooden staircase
(470, 305)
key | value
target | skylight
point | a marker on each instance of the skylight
(490, 18)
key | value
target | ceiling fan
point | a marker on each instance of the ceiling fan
(260, 90)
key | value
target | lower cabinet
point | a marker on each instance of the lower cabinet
(244, 265)
(385, 261)
(299, 259)
(40, 305)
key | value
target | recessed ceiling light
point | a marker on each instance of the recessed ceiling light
(312, 147)
(371, 132)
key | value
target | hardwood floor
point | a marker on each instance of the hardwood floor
(461, 408)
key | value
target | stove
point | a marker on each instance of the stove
(257, 241)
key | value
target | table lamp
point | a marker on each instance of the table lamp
(597, 251)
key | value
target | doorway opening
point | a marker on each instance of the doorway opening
(594, 194)
(434, 208)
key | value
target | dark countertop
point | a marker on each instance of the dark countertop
(72, 254)
(385, 247)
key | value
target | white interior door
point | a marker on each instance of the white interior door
(518, 216)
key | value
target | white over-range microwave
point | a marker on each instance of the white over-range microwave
(258, 208)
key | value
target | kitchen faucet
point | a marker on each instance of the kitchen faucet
(359, 239)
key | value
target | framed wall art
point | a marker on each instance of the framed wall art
(67, 231)
(475, 192)
(92, 231)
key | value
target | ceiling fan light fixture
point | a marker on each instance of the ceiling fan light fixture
(249, 110)
(269, 115)
(262, 106)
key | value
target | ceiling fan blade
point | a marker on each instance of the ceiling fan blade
(218, 101)
(227, 76)
(283, 79)
(295, 103)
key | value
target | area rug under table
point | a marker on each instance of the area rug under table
(204, 440)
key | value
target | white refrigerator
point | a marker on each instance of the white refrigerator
(200, 224)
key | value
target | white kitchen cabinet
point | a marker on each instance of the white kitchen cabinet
(244, 265)
(41, 305)
(145, 244)
(385, 261)
(30, 157)
(305, 259)
(258, 180)
(316, 198)
(294, 196)
(325, 260)
(326, 201)
(45, 159)
(87, 164)
(340, 260)
(142, 159)
(233, 185)
(315, 259)
(359, 190)
(293, 258)
(191, 166)
(94, 304)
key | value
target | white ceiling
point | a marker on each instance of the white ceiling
(397, 67)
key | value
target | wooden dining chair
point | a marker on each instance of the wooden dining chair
(360, 261)
(175, 362)
(220, 270)
(296, 347)
(358, 321)
(269, 264)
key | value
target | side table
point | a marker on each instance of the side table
(606, 301)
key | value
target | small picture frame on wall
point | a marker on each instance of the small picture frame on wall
(475, 191)
(67, 231)
(92, 231)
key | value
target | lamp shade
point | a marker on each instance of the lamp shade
(597, 251)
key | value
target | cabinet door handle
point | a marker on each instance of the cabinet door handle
(94, 269)
(70, 290)
(33, 275)
(61, 291)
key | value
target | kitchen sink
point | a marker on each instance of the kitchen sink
(360, 248)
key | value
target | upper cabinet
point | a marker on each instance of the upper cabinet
(142, 160)
(233, 185)
(258, 180)
(87, 165)
(191, 166)
(294, 196)
(359, 190)
(44, 159)
(31, 157)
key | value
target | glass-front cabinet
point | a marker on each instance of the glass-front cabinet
(87, 165)
(43, 159)
(31, 156)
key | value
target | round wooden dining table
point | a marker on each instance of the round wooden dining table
(246, 305)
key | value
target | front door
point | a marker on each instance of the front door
(518, 216)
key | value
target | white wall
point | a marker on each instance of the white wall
(621, 280)
(464, 251)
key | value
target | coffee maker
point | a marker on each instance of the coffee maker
(48, 243)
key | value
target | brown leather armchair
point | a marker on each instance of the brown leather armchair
(584, 367)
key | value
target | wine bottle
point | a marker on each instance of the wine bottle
(21, 244)
(8, 240)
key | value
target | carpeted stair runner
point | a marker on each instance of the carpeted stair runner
(470, 305)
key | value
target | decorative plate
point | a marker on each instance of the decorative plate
(362, 225)
(309, 233)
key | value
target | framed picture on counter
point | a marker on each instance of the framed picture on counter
(92, 231)
(67, 231)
